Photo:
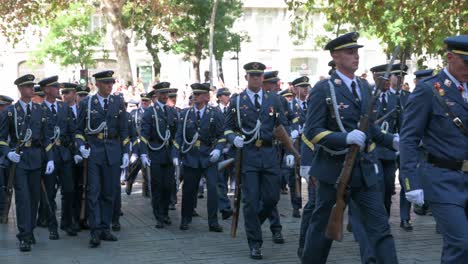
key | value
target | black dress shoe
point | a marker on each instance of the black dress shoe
(278, 238)
(108, 236)
(84, 225)
(349, 227)
(167, 220)
(116, 226)
(70, 231)
(195, 214)
(159, 224)
(256, 253)
(225, 214)
(216, 228)
(405, 224)
(53, 235)
(24, 246)
(184, 226)
(31, 240)
(128, 187)
(94, 242)
(284, 191)
(201, 196)
(296, 213)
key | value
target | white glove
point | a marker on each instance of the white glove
(356, 137)
(396, 142)
(415, 196)
(301, 129)
(304, 172)
(85, 152)
(175, 161)
(14, 157)
(294, 134)
(145, 162)
(77, 159)
(133, 158)
(289, 161)
(125, 161)
(239, 142)
(50, 167)
(214, 155)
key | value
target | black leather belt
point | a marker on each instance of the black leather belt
(457, 165)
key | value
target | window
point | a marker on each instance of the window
(267, 29)
(304, 66)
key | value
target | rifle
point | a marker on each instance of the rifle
(85, 184)
(334, 229)
(280, 133)
(225, 163)
(9, 188)
(298, 180)
(237, 193)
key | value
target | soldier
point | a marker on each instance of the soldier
(172, 101)
(158, 129)
(199, 142)
(60, 128)
(271, 85)
(422, 74)
(24, 124)
(334, 108)
(226, 176)
(102, 138)
(135, 166)
(251, 119)
(437, 115)
(5, 101)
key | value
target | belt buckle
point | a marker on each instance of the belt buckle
(100, 136)
(465, 166)
(198, 143)
(457, 121)
(28, 144)
(258, 143)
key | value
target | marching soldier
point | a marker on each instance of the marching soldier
(5, 101)
(226, 176)
(158, 129)
(102, 138)
(136, 116)
(437, 115)
(251, 119)
(24, 124)
(199, 142)
(334, 109)
(60, 127)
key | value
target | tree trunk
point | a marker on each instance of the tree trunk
(153, 51)
(212, 24)
(112, 11)
(219, 67)
(196, 68)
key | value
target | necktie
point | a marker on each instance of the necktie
(384, 102)
(356, 96)
(198, 118)
(106, 106)
(257, 103)
(397, 93)
(28, 110)
(54, 112)
(224, 110)
(73, 111)
(304, 106)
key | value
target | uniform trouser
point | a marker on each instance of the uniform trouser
(224, 203)
(452, 221)
(162, 182)
(296, 200)
(306, 214)
(79, 189)
(359, 233)
(191, 179)
(117, 203)
(405, 205)
(374, 217)
(27, 193)
(260, 190)
(62, 176)
(388, 168)
(102, 180)
(3, 183)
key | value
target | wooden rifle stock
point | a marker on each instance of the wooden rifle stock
(237, 192)
(298, 180)
(9, 189)
(281, 134)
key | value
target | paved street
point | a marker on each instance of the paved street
(140, 242)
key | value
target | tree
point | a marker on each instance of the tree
(71, 40)
(191, 29)
(418, 27)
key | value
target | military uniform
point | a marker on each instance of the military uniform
(334, 110)
(102, 124)
(199, 142)
(5, 101)
(437, 115)
(255, 115)
(24, 124)
(158, 129)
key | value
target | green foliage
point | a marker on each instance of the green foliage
(71, 40)
(418, 26)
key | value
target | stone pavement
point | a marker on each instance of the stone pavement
(140, 242)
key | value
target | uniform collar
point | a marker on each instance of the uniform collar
(23, 105)
(202, 111)
(453, 79)
(161, 105)
(345, 79)
(49, 104)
